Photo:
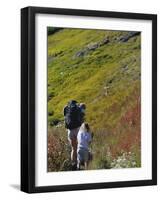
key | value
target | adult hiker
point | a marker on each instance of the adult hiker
(73, 120)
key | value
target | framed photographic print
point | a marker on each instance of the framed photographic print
(88, 99)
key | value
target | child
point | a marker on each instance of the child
(83, 140)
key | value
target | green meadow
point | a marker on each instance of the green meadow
(102, 69)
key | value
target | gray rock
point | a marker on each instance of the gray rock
(104, 41)
(80, 53)
(92, 46)
(131, 34)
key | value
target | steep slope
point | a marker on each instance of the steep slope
(102, 69)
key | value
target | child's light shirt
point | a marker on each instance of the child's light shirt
(83, 139)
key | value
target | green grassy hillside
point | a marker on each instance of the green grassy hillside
(102, 69)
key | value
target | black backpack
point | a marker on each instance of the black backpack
(72, 114)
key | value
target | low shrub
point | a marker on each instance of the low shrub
(126, 160)
(58, 150)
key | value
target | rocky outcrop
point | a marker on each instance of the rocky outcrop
(131, 34)
(91, 47)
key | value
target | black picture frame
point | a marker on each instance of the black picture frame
(28, 98)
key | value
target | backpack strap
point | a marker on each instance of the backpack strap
(65, 110)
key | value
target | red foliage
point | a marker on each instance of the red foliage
(128, 131)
